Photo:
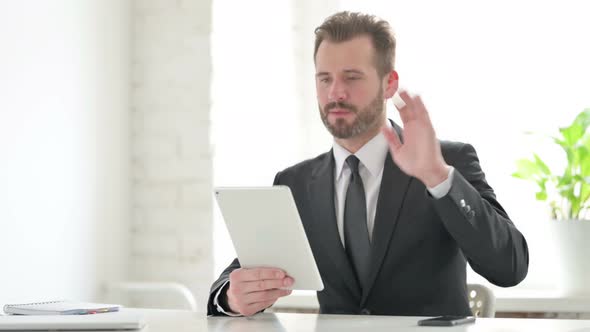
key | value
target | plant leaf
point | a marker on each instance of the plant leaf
(526, 169)
(541, 195)
(541, 165)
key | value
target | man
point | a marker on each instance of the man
(392, 215)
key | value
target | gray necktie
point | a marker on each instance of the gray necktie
(356, 234)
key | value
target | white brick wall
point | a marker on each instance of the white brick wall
(171, 154)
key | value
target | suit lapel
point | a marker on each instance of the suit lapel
(321, 196)
(394, 186)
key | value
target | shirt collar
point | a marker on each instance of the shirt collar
(372, 155)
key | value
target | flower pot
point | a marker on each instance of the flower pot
(572, 239)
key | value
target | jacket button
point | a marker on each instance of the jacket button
(365, 311)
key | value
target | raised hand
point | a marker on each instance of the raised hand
(419, 155)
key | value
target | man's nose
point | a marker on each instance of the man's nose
(337, 92)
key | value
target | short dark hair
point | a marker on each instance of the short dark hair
(344, 26)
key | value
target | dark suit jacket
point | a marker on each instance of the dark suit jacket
(420, 245)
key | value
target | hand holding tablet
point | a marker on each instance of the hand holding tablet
(271, 244)
(255, 289)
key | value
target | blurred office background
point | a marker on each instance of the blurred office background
(118, 117)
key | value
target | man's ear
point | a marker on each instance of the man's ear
(391, 84)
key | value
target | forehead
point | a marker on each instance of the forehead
(357, 53)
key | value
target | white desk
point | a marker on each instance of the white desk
(185, 321)
(509, 301)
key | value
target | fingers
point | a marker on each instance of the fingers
(251, 303)
(392, 138)
(419, 107)
(265, 296)
(254, 308)
(405, 112)
(261, 285)
(256, 274)
(251, 290)
(413, 108)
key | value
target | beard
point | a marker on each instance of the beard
(365, 119)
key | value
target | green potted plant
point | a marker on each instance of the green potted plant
(567, 192)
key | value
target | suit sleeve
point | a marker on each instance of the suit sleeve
(490, 241)
(223, 278)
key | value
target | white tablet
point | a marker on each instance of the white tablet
(266, 231)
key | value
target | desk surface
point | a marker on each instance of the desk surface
(185, 321)
(513, 301)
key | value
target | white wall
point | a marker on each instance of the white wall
(171, 152)
(64, 204)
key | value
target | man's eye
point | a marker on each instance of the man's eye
(353, 78)
(324, 80)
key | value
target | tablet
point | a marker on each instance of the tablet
(266, 231)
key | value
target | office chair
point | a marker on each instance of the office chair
(482, 301)
(160, 295)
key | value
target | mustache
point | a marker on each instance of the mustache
(340, 104)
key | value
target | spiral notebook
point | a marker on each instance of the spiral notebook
(59, 308)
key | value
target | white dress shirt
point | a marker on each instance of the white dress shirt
(372, 160)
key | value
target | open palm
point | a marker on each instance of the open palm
(419, 155)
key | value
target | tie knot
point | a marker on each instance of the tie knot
(353, 163)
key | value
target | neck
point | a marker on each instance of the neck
(355, 143)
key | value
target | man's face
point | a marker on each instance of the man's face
(349, 90)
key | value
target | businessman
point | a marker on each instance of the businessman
(392, 215)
